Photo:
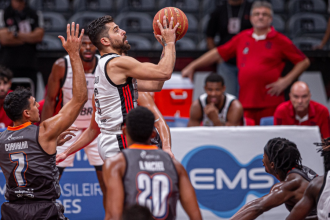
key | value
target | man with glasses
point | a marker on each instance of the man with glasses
(261, 53)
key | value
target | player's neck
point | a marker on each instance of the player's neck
(20, 122)
(110, 50)
(89, 66)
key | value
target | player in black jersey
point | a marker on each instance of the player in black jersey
(28, 152)
(145, 175)
(281, 159)
(317, 192)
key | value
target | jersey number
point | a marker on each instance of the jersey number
(21, 161)
(154, 193)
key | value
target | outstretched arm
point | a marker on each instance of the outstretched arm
(146, 100)
(308, 202)
(187, 193)
(113, 172)
(53, 127)
(280, 193)
(84, 140)
(54, 84)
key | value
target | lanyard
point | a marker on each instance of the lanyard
(240, 12)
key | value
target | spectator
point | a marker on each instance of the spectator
(227, 20)
(21, 28)
(327, 33)
(5, 83)
(261, 54)
(215, 107)
(301, 110)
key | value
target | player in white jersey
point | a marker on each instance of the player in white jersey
(59, 93)
(317, 194)
(117, 79)
(216, 107)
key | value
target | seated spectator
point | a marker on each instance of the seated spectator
(5, 83)
(301, 110)
(215, 107)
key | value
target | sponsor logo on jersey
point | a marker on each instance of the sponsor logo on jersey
(144, 155)
(14, 138)
(97, 78)
(152, 165)
(16, 146)
(221, 182)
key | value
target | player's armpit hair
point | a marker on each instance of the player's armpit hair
(284, 154)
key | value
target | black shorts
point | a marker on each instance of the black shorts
(32, 210)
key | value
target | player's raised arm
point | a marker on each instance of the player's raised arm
(53, 127)
(162, 71)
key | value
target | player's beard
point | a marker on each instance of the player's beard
(122, 46)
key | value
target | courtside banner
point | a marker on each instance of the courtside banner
(81, 194)
(225, 165)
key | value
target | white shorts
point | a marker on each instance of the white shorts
(110, 145)
(91, 152)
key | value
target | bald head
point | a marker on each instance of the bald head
(299, 86)
(300, 97)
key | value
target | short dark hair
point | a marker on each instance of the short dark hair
(16, 102)
(213, 77)
(140, 123)
(5, 73)
(284, 154)
(98, 29)
(137, 212)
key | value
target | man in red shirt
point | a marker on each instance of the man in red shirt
(5, 83)
(301, 110)
(261, 53)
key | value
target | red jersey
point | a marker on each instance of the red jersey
(4, 120)
(260, 63)
(318, 115)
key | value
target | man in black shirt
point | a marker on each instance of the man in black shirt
(21, 28)
(227, 20)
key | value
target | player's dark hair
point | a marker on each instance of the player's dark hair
(284, 154)
(139, 124)
(325, 152)
(16, 102)
(137, 212)
(5, 73)
(213, 77)
(98, 29)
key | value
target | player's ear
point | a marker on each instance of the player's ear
(105, 41)
(272, 165)
(153, 134)
(26, 113)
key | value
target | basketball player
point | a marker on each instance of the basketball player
(28, 152)
(59, 93)
(317, 194)
(145, 175)
(281, 159)
(215, 107)
(115, 87)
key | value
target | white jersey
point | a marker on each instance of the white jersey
(222, 113)
(323, 205)
(84, 118)
(112, 102)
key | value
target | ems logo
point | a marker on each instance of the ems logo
(221, 182)
(246, 50)
(143, 154)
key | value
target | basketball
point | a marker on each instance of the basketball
(178, 16)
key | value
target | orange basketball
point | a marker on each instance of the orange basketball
(178, 16)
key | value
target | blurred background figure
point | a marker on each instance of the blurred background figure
(21, 29)
(5, 83)
(216, 107)
(227, 20)
(301, 110)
